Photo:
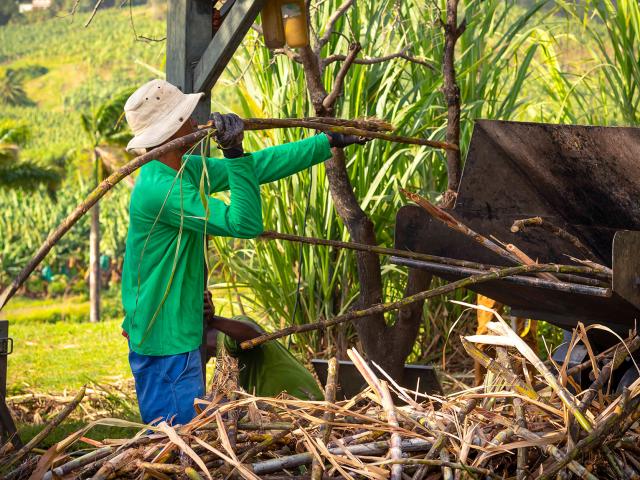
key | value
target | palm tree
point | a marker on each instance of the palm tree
(24, 174)
(104, 126)
(12, 90)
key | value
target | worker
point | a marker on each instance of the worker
(256, 365)
(170, 213)
(527, 329)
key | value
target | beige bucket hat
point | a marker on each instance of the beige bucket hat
(156, 111)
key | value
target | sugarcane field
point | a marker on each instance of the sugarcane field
(319, 239)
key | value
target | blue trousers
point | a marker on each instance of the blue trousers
(167, 385)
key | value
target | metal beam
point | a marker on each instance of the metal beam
(227, 39)
(189, 31)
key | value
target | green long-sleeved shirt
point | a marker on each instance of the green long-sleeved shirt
(167, 225)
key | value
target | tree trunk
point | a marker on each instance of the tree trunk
(387, 345)
(94, 251)
(451, 92)
(94, 264)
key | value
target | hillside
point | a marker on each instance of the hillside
(83, 67)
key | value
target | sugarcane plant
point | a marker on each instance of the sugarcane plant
(104, 127)
(359, 66)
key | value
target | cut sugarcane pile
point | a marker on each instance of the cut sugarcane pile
(523, 422)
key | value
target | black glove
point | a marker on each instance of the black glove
(340, 140)
(229, 133)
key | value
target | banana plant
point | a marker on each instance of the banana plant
(16, 172)
(104, 127)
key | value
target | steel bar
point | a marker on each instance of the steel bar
(271, 235)
(516, 279)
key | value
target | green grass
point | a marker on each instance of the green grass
(99, 432)
(56, 350)
(52, 357)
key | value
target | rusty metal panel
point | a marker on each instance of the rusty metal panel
(585, 180)
(626, 266)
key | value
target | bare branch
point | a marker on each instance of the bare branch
(135, 33)
(93, 13)
(402, 54)
(289, 53)
(338, 85)
(328, 29)
(257, 28)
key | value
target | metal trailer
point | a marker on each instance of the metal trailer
(583, 179)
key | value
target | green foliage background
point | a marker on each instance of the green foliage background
(548, 62)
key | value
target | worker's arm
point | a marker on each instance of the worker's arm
(270, 164)
(242, 218)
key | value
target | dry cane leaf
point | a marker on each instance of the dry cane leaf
(175, 438)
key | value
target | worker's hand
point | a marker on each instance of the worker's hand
(339, 140)
(209, 309)
(229, 133)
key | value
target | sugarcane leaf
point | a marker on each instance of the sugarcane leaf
(175, 438)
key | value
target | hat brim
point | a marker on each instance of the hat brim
(161, 131)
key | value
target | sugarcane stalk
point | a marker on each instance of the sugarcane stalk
(527, 260)
(605, 375)
(262, 446)
(497, 369)
(620, 354)
(387, 307)
(454, 224)
(167, 468)
(270, 123)
(613, 463)
(630, 411)
(362, 247)
(23, 469)
(518, 408)
(372, 124)
(447, 471)
(44, 433)
(79, 462)
(442, 463)
(519, 225)
(501, 437)
(110, 468)
(594, 265)
(395, 442)
(270, 235)
(324, 431)
(522, 457)
(365, 449)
